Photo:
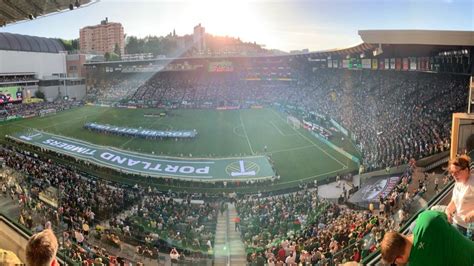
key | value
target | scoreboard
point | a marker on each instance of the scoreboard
(10, 94)
(221, 66)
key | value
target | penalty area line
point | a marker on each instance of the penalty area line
(316, 145)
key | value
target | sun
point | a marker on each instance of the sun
(227, 18)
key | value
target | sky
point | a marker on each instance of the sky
(277, 24)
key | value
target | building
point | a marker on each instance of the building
(35, 63)
(75, 64)
(25, 60)
(102, 38)
(198, 38)
(22, 53)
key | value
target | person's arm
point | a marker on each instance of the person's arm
(450, 209)
(469, 217)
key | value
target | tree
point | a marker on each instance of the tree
(114, 57)
(75, 44)
(111, 57)
(39, 94)
(70, 45)
(117, 50)
(134, 45)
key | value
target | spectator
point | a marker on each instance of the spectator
(174, 256)
(460, 209)
(237, 223)
(41, 249)
(433, 242)
(291, 259)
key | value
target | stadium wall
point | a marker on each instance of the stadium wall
(11, 239)
(29, 91)
(42, 64)
(72, 91)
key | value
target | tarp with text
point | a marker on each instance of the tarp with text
(213, 169)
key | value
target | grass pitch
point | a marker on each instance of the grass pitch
(297, 154)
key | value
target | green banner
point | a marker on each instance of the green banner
(215, 169)
(13, 117)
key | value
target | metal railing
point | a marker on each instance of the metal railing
(227, 244)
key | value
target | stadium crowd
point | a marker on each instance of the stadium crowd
(165, 222)
(393, 116)
(197, 91)
(17, 78)
(157, 221)
(79, 203)
(114, 87)
(297, 227)
(302, 228)
(35, 109)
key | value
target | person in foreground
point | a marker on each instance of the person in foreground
(433, 242)
(460, 210)
(41, 249)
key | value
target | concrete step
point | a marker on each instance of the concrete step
(234, 246)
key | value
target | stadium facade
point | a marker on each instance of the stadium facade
(41, 62)
(395, 50)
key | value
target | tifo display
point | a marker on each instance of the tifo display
(226, 169)
(139, 132)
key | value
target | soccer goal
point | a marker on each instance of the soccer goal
(293, 121)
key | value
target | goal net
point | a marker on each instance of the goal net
(293, 121)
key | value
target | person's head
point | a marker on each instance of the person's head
(41, 248)
(395, 248)
(459, 168)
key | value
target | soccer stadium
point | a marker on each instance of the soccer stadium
(200, 149)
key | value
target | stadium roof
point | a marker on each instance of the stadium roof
(25, 43)
(402, 43)
(358, 49)
(422, 37)
(12, 11)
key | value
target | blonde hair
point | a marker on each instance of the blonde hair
(41, 248)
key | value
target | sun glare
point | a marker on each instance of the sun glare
(228, 18)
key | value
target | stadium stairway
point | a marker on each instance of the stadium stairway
(9, 207)
(229, 248)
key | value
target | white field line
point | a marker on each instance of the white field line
(316, 145)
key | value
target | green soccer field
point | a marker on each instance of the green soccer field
(297, 154)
